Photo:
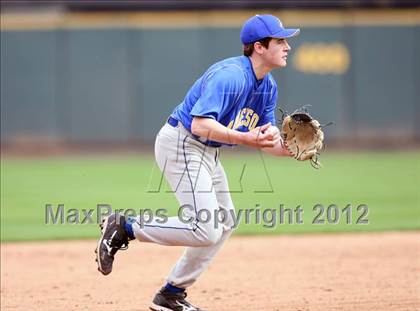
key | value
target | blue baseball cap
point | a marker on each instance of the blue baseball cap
(266, 25)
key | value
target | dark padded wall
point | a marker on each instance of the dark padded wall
(119, 85)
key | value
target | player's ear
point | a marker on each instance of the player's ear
(258, 47)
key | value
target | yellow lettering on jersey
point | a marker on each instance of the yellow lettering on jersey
(244, 114)
(248, 114)
(237, 120)
(254, 121)
(246, 117)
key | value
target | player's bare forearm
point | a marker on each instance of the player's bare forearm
(278, 150)
(213, 130)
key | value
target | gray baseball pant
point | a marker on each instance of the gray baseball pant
(199, 182)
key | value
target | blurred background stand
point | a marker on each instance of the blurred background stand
(80, 75)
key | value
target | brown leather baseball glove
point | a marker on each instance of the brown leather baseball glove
(303, 137)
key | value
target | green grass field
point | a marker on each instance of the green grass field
(388, 183)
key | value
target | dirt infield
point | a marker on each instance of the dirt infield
(379, 271)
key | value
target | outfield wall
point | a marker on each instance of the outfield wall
(115, 77)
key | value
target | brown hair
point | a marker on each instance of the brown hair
(249, 48)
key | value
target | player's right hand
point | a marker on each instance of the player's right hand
(260, 137)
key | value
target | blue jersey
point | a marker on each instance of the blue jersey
(230, 93)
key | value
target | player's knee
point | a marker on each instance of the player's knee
(215, 236)
(211, 236)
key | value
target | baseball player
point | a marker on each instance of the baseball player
(232, 103)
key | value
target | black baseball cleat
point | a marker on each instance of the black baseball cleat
(167, 301)
(113, 239)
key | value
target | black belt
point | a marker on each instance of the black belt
(174, 123)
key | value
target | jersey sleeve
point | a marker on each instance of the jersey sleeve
(269, 110)
(219, 92)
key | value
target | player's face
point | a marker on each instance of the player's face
(276, 54)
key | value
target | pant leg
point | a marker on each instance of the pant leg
(195, 260)
(187, 166)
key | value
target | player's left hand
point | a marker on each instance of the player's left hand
(303, 136)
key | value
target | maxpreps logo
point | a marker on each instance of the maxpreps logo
(246, 117)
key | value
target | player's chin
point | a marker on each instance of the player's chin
(283, 63)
